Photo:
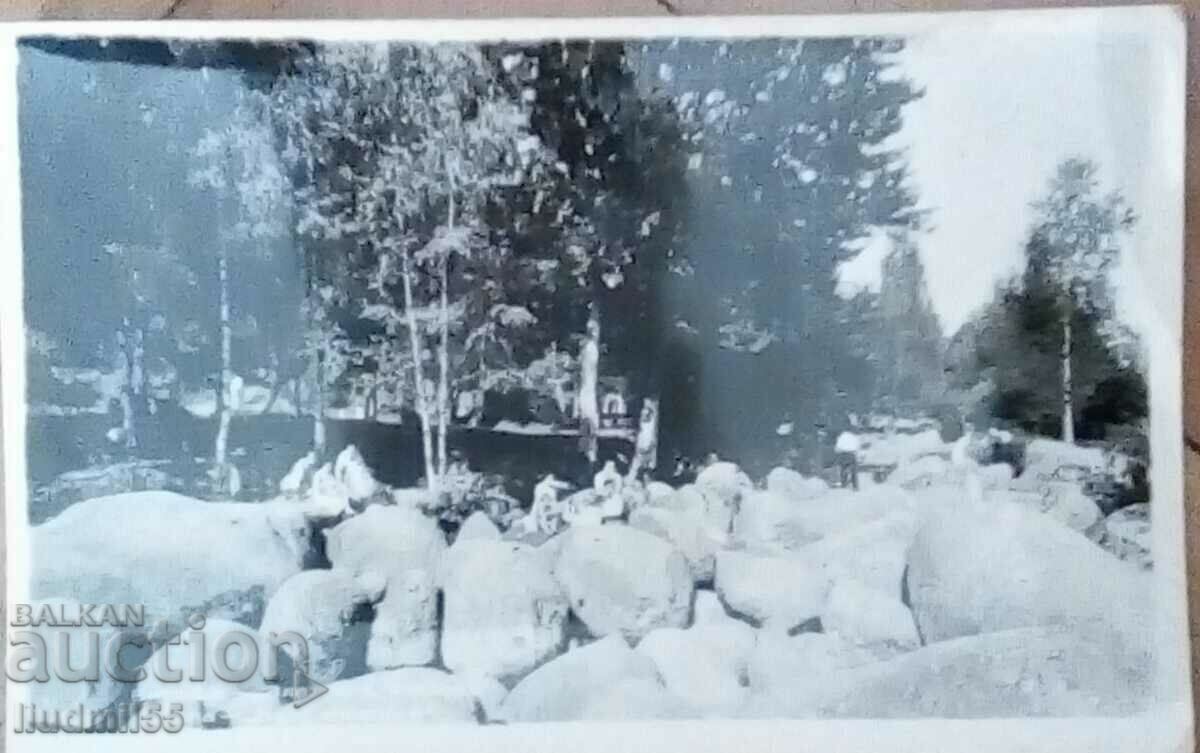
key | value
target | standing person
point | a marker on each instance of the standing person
(588, 405)
(846, 451)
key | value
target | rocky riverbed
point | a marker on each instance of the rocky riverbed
(946, 590)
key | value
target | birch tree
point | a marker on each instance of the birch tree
(1080, 230)
(399, 149)
(239, 164)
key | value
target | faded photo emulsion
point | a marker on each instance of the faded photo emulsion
(792, 373)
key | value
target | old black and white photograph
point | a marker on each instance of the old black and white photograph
(630, 373)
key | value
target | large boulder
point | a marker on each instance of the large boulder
(1063, 501)
(1047, 459)
(782, 663)
(920, 472)
(981, 569)
(874, 553)
(996, 475)
(771, 522)
(634, 699)
(794, 486)
(232, 643)
(686, 532)
(621, 580)
(657, 491)
(1127, 534)
(1014, 673)
(169, 553)
(503, 611)
(870, 618)
(707, 609)
(776, 592)
(406, 548)
(563, 689)
(299, 476)
(328, 498)
(64, 644)
(401, 696)
(725, 481)
(478, 526)
(715, 513)
(705, 665)
(330, 609)
(350, 468)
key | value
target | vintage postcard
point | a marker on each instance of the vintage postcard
(707, 384)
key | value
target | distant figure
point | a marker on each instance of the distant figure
(645, 455)
(846, 453)
(547, 510)
(587, 404)
(607, 481)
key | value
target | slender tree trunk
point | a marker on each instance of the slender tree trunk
(443, 388)
(130, 389)
(319, 394)
(1068, 415)
(220, 452)
(432, 479)
(588, 400)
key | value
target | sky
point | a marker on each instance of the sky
(1002, 107)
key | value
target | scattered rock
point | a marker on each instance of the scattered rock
(328, 499)
(768, 522)
(416, 498)
(52, 690)
(1014, 673)
(489, 692)
(637, 698)
(326, 608)
(352, 471)
(715, 514)
(621, 580)
(217, 638)
(478, 526)
(562, 689)
(790, 484)
(656, 491)
(777, 592)
(981, 569)
(100, 481)
(686, 532)
(996, 475)
(1063, 501)
(406, 547)
(299, 477)
(920, 472)
(875, 553)
(869, 618)
(1047, 459)
(1127, 534)
(725, 481)
(707, 609)
(503, 611)
(780, 663)
(705, 665)
(158, 549)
